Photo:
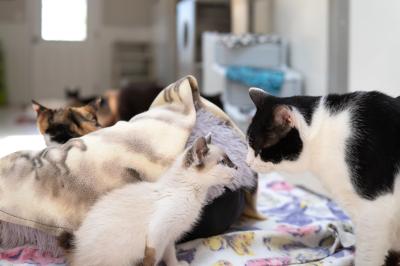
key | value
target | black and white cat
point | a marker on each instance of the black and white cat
(352, 142)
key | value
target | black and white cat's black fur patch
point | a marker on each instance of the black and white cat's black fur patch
(352, 143)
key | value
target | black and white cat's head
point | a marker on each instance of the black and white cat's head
(208, 163)
(274, 134)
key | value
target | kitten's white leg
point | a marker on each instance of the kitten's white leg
(170, 257)
(373, 240)
(157, 237)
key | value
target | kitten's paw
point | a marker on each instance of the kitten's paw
(183, 263)
(261, 167)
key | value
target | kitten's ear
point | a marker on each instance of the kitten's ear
(283, 115)
(38, 108)
(257, 96)
(200, 150)
(208, 138)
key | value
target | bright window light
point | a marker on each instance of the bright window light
(15, 143)
(64, 20)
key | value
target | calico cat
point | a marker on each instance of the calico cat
(141, 222)
(60, 125)
(352, 142)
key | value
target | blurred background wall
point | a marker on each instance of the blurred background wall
(336, 46)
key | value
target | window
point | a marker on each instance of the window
(64, 20)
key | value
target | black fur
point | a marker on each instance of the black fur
(392, 259)
(261, 129)
(66, 240)
(305, 104)
(219, 215)
(288, 148)
(373, 151)
(337, 103)
(137, 98)
(60, 133)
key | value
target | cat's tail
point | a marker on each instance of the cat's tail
(66, 241)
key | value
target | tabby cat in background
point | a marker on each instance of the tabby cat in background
(352, 143)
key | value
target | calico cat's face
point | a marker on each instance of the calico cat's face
(210, 164)
(60, 125)
(272, 136)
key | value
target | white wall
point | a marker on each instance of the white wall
(164, 41)
(113, 23)
(16, 38)
(261, 19)
(18, 33)
(374, 55)
(304, 23)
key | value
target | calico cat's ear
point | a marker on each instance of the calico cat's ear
(283, 115)
(208, 138)
(257, 95)
(38, 108)
(97, 103)
(200, 150)
(93, 106)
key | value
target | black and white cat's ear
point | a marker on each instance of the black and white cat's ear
(257, 96)
(38, 108)
(283, 115)
(200, 150)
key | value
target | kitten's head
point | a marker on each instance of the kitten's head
(209, 164)
(60, 125)
(272, 135)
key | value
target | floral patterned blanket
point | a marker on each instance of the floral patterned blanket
(302, 227)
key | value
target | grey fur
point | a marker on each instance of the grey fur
(57, 156)
(138, 144)
(231, 142)
(134, 175)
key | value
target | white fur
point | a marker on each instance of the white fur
(49, 142)
(121, 225)
(376, 222)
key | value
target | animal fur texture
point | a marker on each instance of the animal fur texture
(54, 194)
(126, 223)
(60, 125)
(351, 142)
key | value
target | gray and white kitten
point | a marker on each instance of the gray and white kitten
(141, 222)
